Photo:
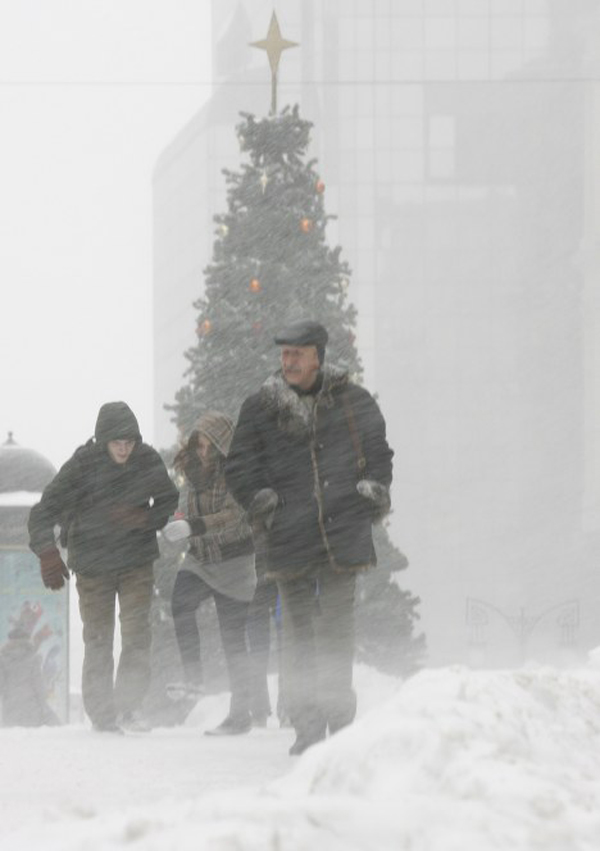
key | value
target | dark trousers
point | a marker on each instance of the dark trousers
(260, 613)
(189, 592)
(103, 698)
(318, 650)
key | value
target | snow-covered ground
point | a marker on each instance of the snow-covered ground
(451, 760)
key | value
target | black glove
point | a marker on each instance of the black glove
(377, 494)
(54, 570)
(262, 508)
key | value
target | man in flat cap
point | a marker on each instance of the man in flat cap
(311, 464)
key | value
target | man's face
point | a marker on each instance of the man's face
(120, 450)
(300, 365)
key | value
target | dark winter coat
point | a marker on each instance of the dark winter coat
(21, 686)
(309, 458)
(110, 512)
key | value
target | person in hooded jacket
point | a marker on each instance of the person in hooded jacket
(110, 499)
(219, 564)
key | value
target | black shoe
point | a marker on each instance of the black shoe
(231, 726)
(134, 722)
(107, 727)
(302, 743)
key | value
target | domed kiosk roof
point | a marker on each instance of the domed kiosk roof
(23, 470)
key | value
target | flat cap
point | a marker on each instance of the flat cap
(303, 333)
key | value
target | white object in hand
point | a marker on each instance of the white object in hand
(177, 530)
(367, 488)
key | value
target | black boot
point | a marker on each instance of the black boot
(233, 725)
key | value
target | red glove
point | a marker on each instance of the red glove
(54, 570)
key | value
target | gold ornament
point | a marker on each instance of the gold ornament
(306, 225)
(255, 286)
(320, 186)
(204, 328)
(263, 181)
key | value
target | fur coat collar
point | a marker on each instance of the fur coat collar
(294, 416)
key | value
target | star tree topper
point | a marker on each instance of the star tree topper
(274, 44)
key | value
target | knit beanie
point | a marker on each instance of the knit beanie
(218, 428)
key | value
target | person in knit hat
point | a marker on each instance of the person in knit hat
(109, 499)
(218, 564)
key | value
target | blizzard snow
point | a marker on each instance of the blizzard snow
(450, 759)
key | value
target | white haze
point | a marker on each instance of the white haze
(90, 93)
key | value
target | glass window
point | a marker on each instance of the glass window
(407, 65)
(440, 65)
(440, 33)
(407, 34)
(506, 34)
(473, 33)
(442, 131)
(408, 166)
(407, 131)
(473, 65)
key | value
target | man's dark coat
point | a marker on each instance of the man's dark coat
(311, 460)
(110, 512)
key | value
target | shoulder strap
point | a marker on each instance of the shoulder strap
(361, 461)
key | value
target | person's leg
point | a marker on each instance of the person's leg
(133, 673)
(334, 632)
(97, 608)
(259, 641)
(188, 593)
(299, 609)
(232, 615)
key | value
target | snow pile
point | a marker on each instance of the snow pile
(453, 759)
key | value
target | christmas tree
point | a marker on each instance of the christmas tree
(272, 265)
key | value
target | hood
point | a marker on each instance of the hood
(218, 428)
(116, 421)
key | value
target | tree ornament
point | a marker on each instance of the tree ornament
(263, 181)
(306, 225)
(344, 283)
(255, 286)
(320, 187)
(223, 229)
(204, 328)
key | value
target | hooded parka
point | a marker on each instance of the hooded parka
(109, 513)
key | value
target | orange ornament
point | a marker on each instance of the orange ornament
(306, 225)
(204, 328)
(320, 186)
(255, 286)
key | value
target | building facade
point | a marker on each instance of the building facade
(457, 141)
